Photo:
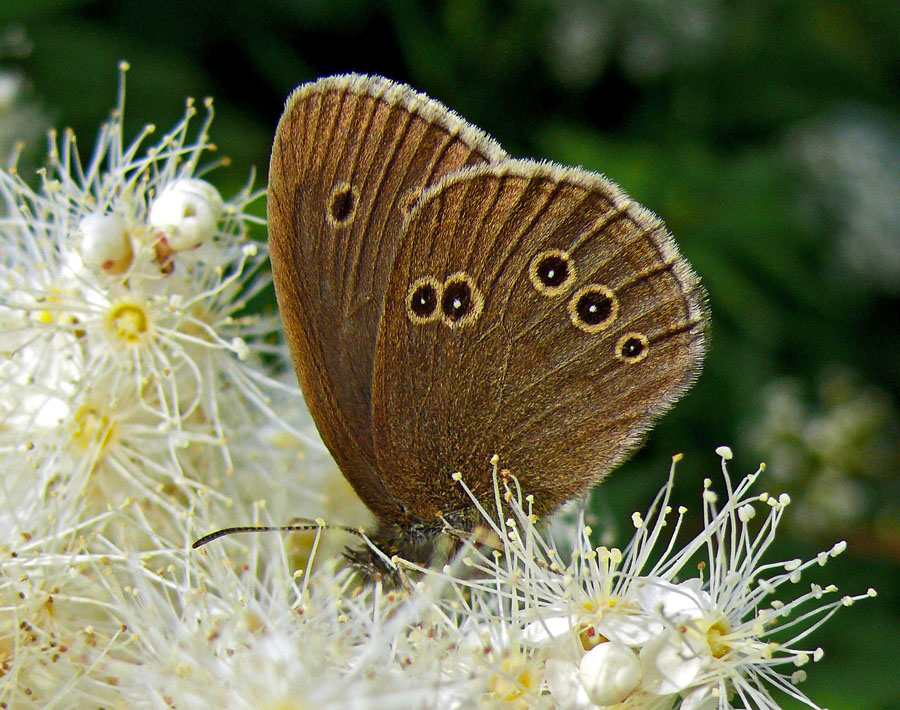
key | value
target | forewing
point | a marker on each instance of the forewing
(351, 156)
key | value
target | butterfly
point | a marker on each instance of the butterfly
(444, 303)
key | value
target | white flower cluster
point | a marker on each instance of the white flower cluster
(126, 369)
(837, 453)
(701, 626)
(135, 409)
(21, 117)
(137, 413)
(853, 155)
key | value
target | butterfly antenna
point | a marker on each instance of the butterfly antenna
(293, 527)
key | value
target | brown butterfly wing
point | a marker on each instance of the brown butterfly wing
(351, 156)
(531, 377)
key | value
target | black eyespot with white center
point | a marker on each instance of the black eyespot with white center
(552, 272)
(342, 204)
(632, 347)
(457, 301)
(593, 308)
(461, 301)
(422, 300)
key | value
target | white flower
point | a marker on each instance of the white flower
(22, 121)
(10, 90)
(854, 156)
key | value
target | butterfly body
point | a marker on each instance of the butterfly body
(444, 303)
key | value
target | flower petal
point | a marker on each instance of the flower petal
(544, 631)
(700, 699)
(632, 629)
(565, 686)
(669, 666)
(676, 602)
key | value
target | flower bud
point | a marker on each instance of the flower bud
(188, 212)
(609, 673)
(105, 243)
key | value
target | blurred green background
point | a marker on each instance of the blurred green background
(766, 134)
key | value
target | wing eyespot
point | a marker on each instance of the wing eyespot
(632, 347)
(461, 300)
(593, 308)
(552, 272)
(342, 204)
(422, 300)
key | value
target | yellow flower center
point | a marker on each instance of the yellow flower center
(129, 322)
(518, 678)
(716, 638)
(92, 426)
